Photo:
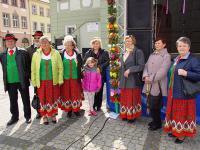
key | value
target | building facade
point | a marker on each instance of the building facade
(14, 18)
(40, 16)
(23, 18)
(83, 19)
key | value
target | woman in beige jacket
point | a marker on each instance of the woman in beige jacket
(155, 77)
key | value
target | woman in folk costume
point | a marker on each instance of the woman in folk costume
(71, 90)
(181, 109)
(47, 76)
(132, 62)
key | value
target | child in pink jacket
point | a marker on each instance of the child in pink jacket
(91, 82)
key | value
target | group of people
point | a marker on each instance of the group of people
(60, 79)
(63, 80)
(161, 78)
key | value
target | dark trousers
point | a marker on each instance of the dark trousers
(13, 95)
(98, 98)
(155, 108)
(155, 114)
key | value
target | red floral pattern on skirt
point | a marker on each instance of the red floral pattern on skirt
(180, 117)
(71, 95)
(130, 103)
(48, 95)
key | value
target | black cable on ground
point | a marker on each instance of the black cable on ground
(84, 133)
(95, 134)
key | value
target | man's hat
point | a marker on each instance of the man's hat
(10, 36)
(38, 33)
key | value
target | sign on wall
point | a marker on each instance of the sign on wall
(93, 27)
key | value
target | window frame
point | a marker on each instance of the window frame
(14, 3)
(24, 22)
(22, 4)
(4, 1)
(8, 19)
(34, 9)
(41, 11)
(42, 25)
(35, 29)
(15, 21)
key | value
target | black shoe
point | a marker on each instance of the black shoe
(154, 128)
(12, 121)
(98, 109)
(124, 119)
(46, 123)
(38, 116)
(54, 121)
(69, 114)
(171, 135)
(178, 141)
(77, 114)
(28, 120)
(131, 121)
(150, 123)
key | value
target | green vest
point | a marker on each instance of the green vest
(70, 69)
(12, 70)
(46, 70)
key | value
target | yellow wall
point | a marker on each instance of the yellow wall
(37, 18)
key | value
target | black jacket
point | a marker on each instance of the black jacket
(31, 50)
(23, 65)
(80, 62)
(103, 60)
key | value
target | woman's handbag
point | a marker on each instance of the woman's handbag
(190, 88)
(35, 102)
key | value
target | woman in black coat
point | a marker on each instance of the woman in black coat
(102, 56)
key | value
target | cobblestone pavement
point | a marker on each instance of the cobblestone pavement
(116, 134)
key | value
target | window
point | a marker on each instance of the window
(41, 11)
(5, 1)
(24, 22)
(34, 26)
(48, 28)
(69, 30)
(15, 21)
(22, 4)
(6, 20)
(14, 3)
(34, 9)
(42, 27)
(48, 12)
(64, 5)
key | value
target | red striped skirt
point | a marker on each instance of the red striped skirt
(181, 117)
(130, 103)
(71, 96)
(48, 95)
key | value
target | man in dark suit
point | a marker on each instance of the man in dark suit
(16, 75)
(32, 49)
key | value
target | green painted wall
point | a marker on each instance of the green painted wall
(78, 17)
